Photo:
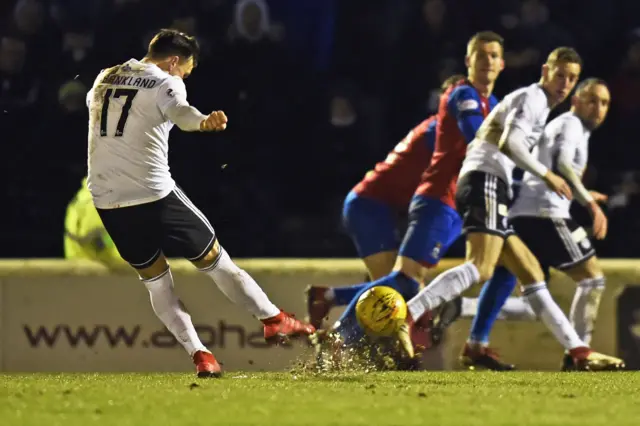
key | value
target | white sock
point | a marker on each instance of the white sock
(584, 308)
(469, 308)
(329, 295)
(240, 288)
(443, 288)
(169, 310)
(514, 309)
(517, 309)
(552, 316)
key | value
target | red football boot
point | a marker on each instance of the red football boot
(479, 356)
(421, 333)
(206, 365)
(284, 326)
(317, 306)
(584, 359)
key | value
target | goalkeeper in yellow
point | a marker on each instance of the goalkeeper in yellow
(84, 234)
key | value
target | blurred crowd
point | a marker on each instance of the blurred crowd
(316, 92)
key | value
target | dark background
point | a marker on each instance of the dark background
(316, 92)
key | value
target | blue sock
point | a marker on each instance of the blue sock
(406, 286)
(493, 295)
(343, 295)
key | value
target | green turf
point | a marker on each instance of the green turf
(456, 398)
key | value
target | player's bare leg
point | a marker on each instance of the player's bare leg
(590, 281)
(171, 311)
(523, 264)
(242, 290)
(320, 300)
(476, 354)
(380, 264)
(482, 254)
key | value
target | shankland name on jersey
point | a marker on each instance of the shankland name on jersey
(394, 180)
(527, 109)
(129, 133)
(565, 136)
(461, 110)
(123, 80)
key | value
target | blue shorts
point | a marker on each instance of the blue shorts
(371, 224)
(433, 228)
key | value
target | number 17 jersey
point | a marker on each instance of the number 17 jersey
(128, 154)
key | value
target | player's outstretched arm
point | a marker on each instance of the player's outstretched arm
(186, 117)
(172, 101)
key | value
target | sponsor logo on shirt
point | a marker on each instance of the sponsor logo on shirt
(469, 104)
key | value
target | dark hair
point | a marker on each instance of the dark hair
(589, 82)
(564, 54)
(168, 42)
(484, 37)
(450, 81)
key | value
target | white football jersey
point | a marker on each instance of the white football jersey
(129, 134)
(527, 109)
(565, 134)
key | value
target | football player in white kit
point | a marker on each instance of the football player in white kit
(503, 142)
(541, 218)
(132, 108)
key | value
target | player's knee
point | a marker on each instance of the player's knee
(595, 284)
(531, 275)
(586, 271)
(485, 270)
(209, 258)
(155, 269)
(485, 266)
(483, 250)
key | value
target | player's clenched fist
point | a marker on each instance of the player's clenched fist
(215, 121)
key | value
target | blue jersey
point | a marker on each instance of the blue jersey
(460, 114)
(469, 109)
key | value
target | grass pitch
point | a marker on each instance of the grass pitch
(389, 398)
